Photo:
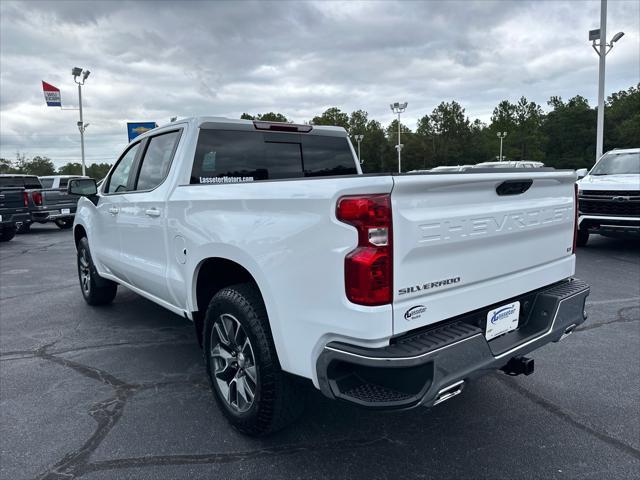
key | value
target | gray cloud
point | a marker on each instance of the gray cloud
(152, 60)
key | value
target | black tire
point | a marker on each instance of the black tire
(7, 233)
(64, 224)
(24, 227)
(582, 238)
(277, 399)
(95, 289)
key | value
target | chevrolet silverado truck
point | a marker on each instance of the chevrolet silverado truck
(30, 185)
(609, 196)
(387, 291)
(13, 210)
(45, 203)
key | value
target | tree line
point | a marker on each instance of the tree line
(42, 165)
(563, 137)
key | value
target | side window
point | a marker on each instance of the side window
(327, 156)
(47, 182)
(120, 176)
(157, 160)
(64, 182)
(224, 156)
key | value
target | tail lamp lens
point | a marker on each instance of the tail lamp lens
(368, 269)
(36, 197)
(25, 198)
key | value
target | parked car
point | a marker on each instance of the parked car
(510, 164)
(13, 210)
(609, 196)
(384, 291)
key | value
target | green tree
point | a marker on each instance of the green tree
(622, 119)
(272, 117)
(332, 116)
(6, 166)
(571, 132)
(98, 170)
(37, 166)
(267, 117)
(71, 168)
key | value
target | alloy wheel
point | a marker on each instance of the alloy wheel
(233, 363)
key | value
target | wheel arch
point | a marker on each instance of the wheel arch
(211, 275)
(78, 233)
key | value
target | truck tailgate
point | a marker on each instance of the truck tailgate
(56, 198)
(459, 246)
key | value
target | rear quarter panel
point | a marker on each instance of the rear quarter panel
(286, 235)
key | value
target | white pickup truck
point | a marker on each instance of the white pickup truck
(609, 196)
(386, 291)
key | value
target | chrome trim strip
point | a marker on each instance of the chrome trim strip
(603, 217)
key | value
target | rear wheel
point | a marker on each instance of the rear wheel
(65, 223)
(582, 238)
(95, 289)
(251, 389)
(7, 233)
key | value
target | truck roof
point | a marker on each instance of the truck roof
(239, 124)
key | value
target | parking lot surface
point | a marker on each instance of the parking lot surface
(120, 392)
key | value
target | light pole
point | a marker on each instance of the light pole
(501, 136)
(79, 76)
(359, 139)
(399, 108)
(605, 48)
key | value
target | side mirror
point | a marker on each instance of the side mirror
(84, 187)
(582, 172)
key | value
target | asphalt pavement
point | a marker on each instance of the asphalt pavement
(120, 392)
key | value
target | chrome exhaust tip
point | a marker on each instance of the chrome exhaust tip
(449, 392)
(568, 331)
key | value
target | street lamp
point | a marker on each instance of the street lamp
(501, 136)
(604, 49)
(359, 139)
(80, 76)
(399, 108)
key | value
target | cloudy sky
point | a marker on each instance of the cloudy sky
(153, 60)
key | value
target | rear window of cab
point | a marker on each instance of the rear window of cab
(228, 156)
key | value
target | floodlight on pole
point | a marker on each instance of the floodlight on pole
(501, 136)
(399, 108)
(359, 139)
(602, 49)
(79, 76)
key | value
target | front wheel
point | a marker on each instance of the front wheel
(95, 289)
(251, 389)
(582, 238)
(64, 224)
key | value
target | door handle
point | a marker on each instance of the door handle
(114, 210)
(152, 212)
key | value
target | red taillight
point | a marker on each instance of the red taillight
(36, 197)
(25, 197)
(575, 218)
(368, 270)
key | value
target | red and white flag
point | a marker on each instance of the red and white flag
(51, 95)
